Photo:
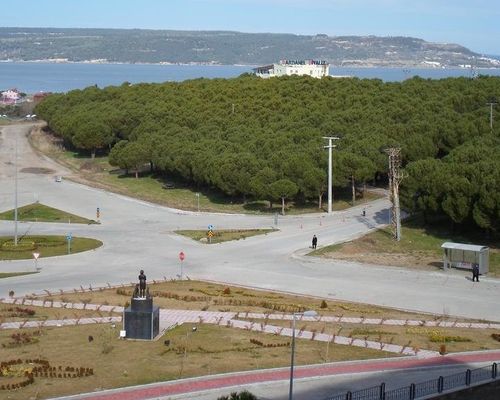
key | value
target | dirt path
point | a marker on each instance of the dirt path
(28, 162)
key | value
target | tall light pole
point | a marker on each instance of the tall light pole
(491, 104)
(198, 198)
(193, 329)
(15, 195)
(310, 313)
(330, 147)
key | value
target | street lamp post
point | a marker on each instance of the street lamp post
(310, 313)
(330, 147)
(15, 196)
(193, 329)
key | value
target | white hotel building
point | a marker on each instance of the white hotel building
(316, 69)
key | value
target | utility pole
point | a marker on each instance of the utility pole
(473, 68)
(330, 147)
(15, 195)
(395, 178)
(491, 104)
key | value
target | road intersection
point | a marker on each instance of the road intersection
(276, 261)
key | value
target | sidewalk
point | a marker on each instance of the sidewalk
(159, 390)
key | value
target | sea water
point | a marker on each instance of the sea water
(32, 77)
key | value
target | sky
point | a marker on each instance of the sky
(474, 24)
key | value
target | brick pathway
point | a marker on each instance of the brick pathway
(159, 390)
(59, 322)
(180, 316)
(374, 321)
(172, 318)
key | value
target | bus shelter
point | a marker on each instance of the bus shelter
(464, 256)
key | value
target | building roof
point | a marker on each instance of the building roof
(303, 62)
(264, 68)
(463, 246)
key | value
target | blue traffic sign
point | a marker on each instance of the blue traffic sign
(210, 227)
(69, 237)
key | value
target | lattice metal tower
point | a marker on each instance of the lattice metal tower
(473, 68)
(395, 178)
(492, 103)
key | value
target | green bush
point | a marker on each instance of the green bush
(439, 337)
(245, 395)
(50, 242)
(23, 245)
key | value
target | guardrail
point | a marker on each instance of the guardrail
(449, 383)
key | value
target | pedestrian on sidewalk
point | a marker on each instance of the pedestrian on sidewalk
(475, 272)
(314, 242)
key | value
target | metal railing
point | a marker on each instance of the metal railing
(455, 380)
(420, 390)
(401, 393)
(426, 388)
(367, 394)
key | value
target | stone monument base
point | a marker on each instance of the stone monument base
(141, 320)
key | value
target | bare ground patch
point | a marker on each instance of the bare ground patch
(37, 170)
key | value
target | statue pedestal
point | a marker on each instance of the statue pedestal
(141, 320)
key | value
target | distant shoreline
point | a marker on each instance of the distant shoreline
(210, 64)
(91, 62)
(43, 76)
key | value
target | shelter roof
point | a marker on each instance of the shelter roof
(463, 246)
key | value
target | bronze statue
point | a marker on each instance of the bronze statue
(142, 284)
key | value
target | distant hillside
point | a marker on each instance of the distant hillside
(224, 47)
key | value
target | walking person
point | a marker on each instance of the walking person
(314, 241)
(475, 272)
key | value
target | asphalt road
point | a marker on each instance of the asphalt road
(139, 235)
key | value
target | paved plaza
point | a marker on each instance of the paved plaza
(276, 261)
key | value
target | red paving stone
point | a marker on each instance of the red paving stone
(216, 382)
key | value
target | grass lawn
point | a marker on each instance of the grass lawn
(10, 120)
(19, 312)
(46, 246)
(428, 338)
(117, 363)
(10, 274)
(199, 295)
(37, 212)
(420, 247)
(149, 187)
(220, 236)
(211, 349)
